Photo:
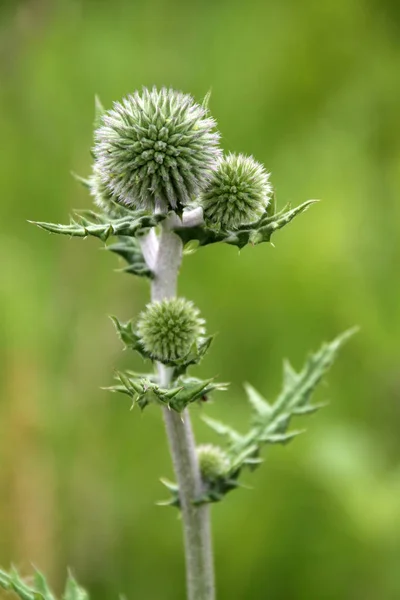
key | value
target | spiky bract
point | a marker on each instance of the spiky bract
(213, 462)
(169, 329)
(157, 149)
(102, 196)
(237, 194)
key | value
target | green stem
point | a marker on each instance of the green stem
(196, 519)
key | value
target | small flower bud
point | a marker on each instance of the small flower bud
(213, 462)
(238, 193)
(156, 150)
(168, 329)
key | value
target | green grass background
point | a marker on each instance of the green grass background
(312, 90)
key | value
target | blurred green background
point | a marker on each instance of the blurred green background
(312, 89)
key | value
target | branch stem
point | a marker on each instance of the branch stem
(196, 519)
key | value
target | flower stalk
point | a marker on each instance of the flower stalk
(195, 519)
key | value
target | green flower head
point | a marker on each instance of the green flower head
(168, 329)
(238, 193)
(213, 462)
(156, 150)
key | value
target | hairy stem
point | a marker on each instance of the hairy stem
(196, 519)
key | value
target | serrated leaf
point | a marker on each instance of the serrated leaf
(289, 374)
(103, 227)
(309, 409)
(223, 429)
(298, 387)
(143, 390)
(41, 586)
(129, 249)
(193, 390)
(265, 231)
(73, 591)
(125, 331)
(170, 485)
(13, 582)
(281, 438)
(173, 488)
(259, 404)
(271, 423)
(254, 233)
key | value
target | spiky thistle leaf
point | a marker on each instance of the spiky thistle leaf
(144, 390)
(129, 249)
(270, 423)
(89, 223)
(253, 233)
(37, 588)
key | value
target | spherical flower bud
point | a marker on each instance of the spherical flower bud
(238, 193)
(157, 149)
(213, 462)
(168, 329)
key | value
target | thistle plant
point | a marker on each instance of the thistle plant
(160, 182)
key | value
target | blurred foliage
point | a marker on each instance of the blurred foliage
(311, 89)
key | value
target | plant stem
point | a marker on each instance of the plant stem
(196, 519)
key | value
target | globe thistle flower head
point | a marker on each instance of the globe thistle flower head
(213, 462)
(157, 149)
(238, 193)
(168, 329)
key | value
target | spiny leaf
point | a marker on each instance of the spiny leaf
(12, 581)
(192, 390)
(23, 587)
(173, 488)
(39, 589)
(144, 391)
(298, 387)
(129, 249)
(281, 438)
(103, 227)
(289, 374)
(126, 332)
(73, 591)
(222, 429)
(271, 423)
(259, 404)
(265, 231)
(255, 233)
(41, 586)
(308, 410)
(170, 485)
